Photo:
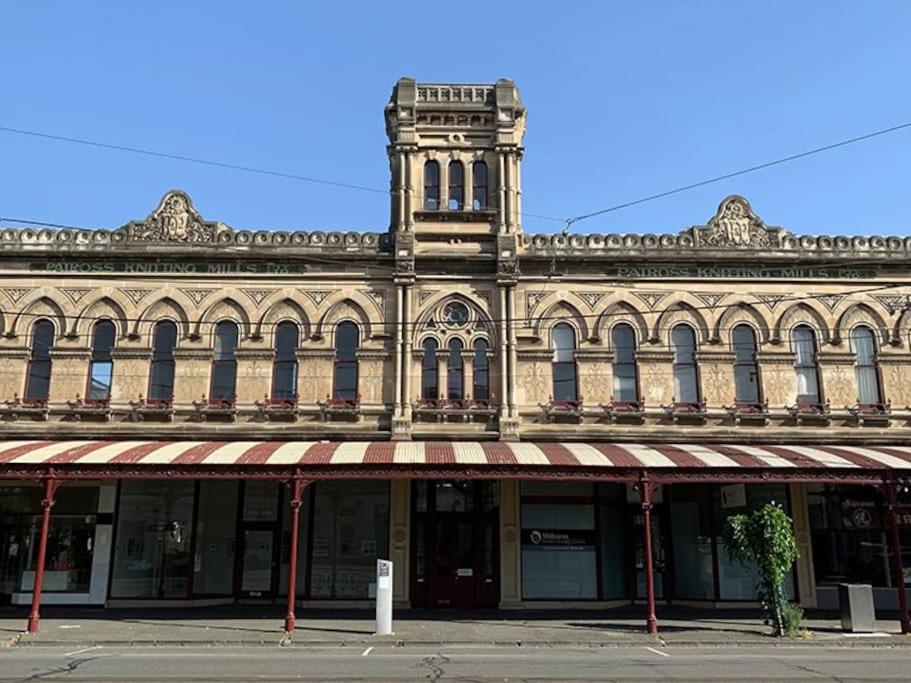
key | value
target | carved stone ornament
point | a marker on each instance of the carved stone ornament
(735, 225)
(174, 220)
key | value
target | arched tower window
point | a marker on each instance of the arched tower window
(161, 375)
(455, 372)
(803, 339)
(479, 185)
(101, 367)
(626, 385)
(284, 368)
(344, 382)
(431, 185)
(430, 381)
(481, 377)
(686, 376)
(224, 363)
(866, 367)
(38, 378)
(746, 368)
(456, 186)
(565, 382)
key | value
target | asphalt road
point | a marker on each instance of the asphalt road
(464, 664)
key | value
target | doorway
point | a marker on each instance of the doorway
(256, 575)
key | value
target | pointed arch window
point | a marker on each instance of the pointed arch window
(479, 186)
(431, 185)
(455, 371)
(686, 375)
(866, 367)
(803, 339)
(38, 378)
(746, 368)
(224, 363)
(284, 368)
(565, 380)
(623, 343)
(344, 380)
(101, 367)
(161, 375)
(430, 381)
(481, 377)
(456, 186)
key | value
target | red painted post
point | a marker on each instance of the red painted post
(645, 495)
(47, 502)
(297, 490)
(895, 542)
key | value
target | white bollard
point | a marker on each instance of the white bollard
(383, 597)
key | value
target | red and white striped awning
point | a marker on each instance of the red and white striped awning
(309, 454)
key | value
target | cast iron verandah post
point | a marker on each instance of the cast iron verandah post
(645, 496)
(297, 492)
(47, 502)
(895, 542)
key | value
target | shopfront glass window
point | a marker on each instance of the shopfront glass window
(350, 531)
(152, 546)
(691, 534)
(216, 530)
(612, 522)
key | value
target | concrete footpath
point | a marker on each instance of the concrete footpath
(261, 625)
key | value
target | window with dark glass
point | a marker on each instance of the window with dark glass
(224, 365)
(866, 370)
(623, 342)
(686, 382)
(38, 380)
(456, 186)
(564, 366)
(101, 367)
(479, 185)
(804, 342)
(432, 185)
(284, 369)
(481, 376)
(344, 384)
(746, 369)
(430, 382)
(455, 375)
(161, 377)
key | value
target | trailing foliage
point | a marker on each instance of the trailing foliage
(765, 538)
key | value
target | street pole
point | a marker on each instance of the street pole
(645, 495)
(297, 490)
(895, 542)
(47, 502)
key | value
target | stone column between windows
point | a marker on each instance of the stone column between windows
(468, 180)
(131, 374)
(806, 573)
(314, 379)
(399, 540)
(501, 191)
(254, 374)
(596, 376)
(407, 362)
(716, 375)
(409, 190)
(505, 369)
(69, 373)
(399, 350)
(13, 375)
(511, 324)
(839, 383)
(656, 376)
(895, 371)
(191, 374)
(511, 199)
(443, 373)
(444, 183)
(779, 380)
(510, 544)
(400, 190)
(468, 374)
(518, 190)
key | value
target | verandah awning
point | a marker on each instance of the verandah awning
(378, 458)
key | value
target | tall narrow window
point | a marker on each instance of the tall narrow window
(479, 185)
(456, 186)
(455, 372)
(623, 341)
(564, 365)
(686, 381)
(38, 381)
(284, 369)
(101, 367)
(746, 369)
(481, 376)
(432, 185)
(224, 364)
(430, 381)
(161, 377)
(865, 366)
(344, 384)
(804, 341)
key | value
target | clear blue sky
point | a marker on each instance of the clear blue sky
(624, 100)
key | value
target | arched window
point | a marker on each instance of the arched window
(686, 378)
(224, 364)
(481, 376)
(455, 371)
(804, 341)
(38, 379)
(284, 368)
(866, 369)
(564, 365)
(430, 382)
(161, 376)
(623, 342)
(456, 186)
(344, 382)
(431, 185)
(479, 185)
(101, 367)
(746, 369)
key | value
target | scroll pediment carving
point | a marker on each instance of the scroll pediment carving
(175, 220)
(736, 225)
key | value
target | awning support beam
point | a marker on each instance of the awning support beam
(47, 502)
(896, 549)
(646, 489)
(297, 493)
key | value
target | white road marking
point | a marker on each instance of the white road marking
(366, 652)
(79, 652)
(657, 652)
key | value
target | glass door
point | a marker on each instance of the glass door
(259, 562)
(659, 555)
